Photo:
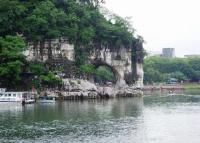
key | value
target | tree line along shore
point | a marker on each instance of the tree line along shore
(185, 71)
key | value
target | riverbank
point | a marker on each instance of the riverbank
(76, 89)
(171, 88)
(191, 86)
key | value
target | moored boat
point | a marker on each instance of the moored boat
(46, 99)
(20, 97)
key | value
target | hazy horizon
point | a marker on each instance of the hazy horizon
(163, 23)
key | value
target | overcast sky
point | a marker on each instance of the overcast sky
(163, 23)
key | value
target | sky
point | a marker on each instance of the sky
(163, 23)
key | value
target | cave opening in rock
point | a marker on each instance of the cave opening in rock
(104, 75)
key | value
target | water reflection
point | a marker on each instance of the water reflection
(163, 99)
(90, 110)
(153, 119)
(69, 119)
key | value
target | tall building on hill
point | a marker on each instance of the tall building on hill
(168, 52)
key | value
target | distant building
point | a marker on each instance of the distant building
(168, 52)
(192, 56)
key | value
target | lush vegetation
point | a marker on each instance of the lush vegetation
(11, 59)
(160, 69)
(104, 75)
(101, 75)
(84, 23)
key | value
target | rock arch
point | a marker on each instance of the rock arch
(98, 62)
(119, 61)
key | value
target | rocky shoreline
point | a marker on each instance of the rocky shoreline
(75, 89)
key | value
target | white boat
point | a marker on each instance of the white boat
(20, 97)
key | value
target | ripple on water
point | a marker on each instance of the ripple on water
(156, 120)
(65, 131)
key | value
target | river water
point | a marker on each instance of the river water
(151, 119)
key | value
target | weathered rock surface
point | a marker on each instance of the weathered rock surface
(83, 89)
(120, 92)
(78, 88)
(78, 85)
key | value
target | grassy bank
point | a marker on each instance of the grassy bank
(191, 86)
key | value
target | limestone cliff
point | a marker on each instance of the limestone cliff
(119, 60)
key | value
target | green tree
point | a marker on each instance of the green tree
(50, 80)
(178, 75)
(11, 14)
(180, 68)
(11, 60)
(104, 74)
(46, 22)
(87, 70)
(81, 22)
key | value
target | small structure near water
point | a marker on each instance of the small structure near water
(20, 97)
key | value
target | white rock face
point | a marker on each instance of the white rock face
(58, 47)
(79, 85)
(67, 51)
(120, 60)
(140, 75)
(85, 89)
